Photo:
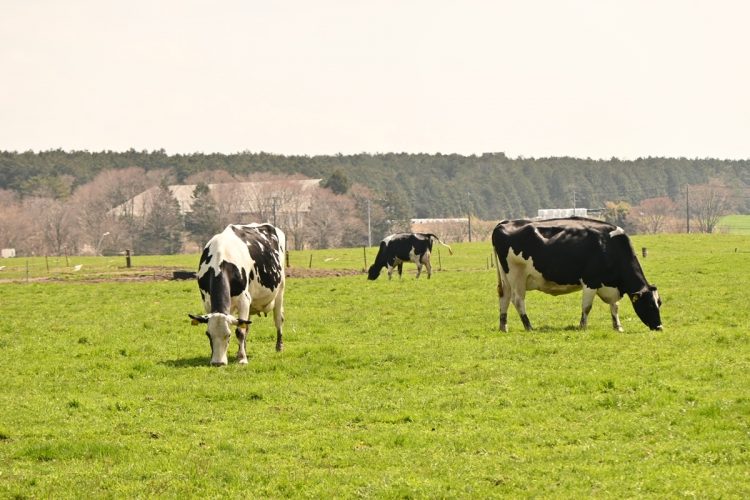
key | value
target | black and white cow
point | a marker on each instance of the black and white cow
(404, 247)
(241, 272)
(560, 256)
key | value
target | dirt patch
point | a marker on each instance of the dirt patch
(166, 274)
(303, 272)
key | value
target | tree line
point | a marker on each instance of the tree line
(42, 193)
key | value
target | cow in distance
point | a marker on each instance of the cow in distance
(404, 247)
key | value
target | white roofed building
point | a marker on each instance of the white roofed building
(241, 199)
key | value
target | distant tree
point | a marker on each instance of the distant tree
(14, 222)
(51, 186)
(162, 228)
(338, 182)
(293, 203)
(365, 201)
(204, 220)
(332, 221)
(397, 210)
(708, 204)
(654, 213)
(60, 228)
(617, 213)
(49, 227)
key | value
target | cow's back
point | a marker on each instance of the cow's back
(266, 246)
(563, 251)
(244, 259)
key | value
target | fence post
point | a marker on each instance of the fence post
(127, 258)
(287, 258)
(440, 261)
(27, 270)
(46, 261)
(310, 261)
(364, 252)
(644, 252)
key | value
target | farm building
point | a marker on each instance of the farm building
(555, 213)
(452, 229)
(245, 200)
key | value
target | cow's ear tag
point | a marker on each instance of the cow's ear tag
(194, 320)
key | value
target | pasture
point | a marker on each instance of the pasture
(384, 389)
(735, 224)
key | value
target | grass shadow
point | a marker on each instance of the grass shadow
(557, 329)
(187, 362)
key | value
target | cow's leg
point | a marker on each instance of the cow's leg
(427, 265)
(243, 312)
(390, 271)
(278, 317)
(587, 302)
(614, 310)
(400, 270)
(519, 299)
(419, 269)
(612, 297)
(241, 333)
(520, 303)
(504, 295)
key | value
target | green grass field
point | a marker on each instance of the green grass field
(384, 389)
(735, 224)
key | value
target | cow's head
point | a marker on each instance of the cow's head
(374, 272)
(646, 304)
(219, 331)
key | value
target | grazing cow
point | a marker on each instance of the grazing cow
(560, 256)
(241, 272)
(404, 247)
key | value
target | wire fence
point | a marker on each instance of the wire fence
(78, 268)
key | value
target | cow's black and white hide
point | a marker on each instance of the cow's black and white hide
(241, 273)
(404, 247)
(558, 256)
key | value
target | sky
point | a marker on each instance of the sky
(530, 78)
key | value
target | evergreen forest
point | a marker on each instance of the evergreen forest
(491, 186)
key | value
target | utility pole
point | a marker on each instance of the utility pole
(687, 206)
(468, 212)
(369, 226)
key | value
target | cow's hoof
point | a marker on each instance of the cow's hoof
(242, 361)
(504, 328)
(279, 347)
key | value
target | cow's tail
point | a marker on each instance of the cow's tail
(496, 258)
(496, 245)
(380, 262)
(450, 250)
